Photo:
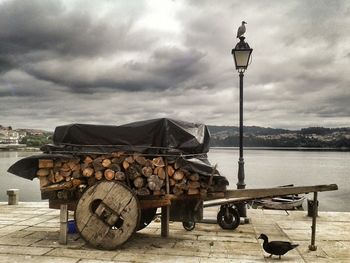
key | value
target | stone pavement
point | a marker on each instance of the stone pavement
(29, 233)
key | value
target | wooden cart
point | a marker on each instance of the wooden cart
(108, 210)
(109, 213)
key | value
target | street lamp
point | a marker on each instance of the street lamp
(241, 55)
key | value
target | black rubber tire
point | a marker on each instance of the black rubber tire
(233, 220)
(147, 216)
(189, 226)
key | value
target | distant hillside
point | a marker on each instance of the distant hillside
(254, 130)
(255, 136)
(221, 136)
(323, 131)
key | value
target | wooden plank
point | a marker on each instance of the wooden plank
(165, 209)
(56, 187)
(167, 186)
(63, 224)
(118, 198)
(93, 230)
(215, 195)
(312, 246)
(146, 204)
(165, 199)
(43, 181)
(45, 163)
(43, 172)
(165, 221)
(277, 191)
(86, 199)
(83, 211)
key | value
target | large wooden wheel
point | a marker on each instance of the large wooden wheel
(107, 215)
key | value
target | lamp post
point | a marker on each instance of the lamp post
(241, 55)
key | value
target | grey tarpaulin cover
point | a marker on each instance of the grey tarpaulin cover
(186, 142)
(150, 136)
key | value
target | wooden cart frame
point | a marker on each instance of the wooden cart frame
(112, 220)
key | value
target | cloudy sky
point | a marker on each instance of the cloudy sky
(113, 62)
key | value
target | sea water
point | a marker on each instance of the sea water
(263, 168)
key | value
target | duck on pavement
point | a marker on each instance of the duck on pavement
(277, 248)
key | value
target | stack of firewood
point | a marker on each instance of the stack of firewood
(146, 176)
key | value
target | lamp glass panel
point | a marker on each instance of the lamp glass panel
(242, 58)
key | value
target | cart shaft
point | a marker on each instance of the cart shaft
(277, 191)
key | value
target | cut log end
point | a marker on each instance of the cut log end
(106, 163)
(178, 175)
(159, 162)
(109, 174)
(147, 171)
(98, 175)
(120, 176)
(139, 182)
(43, 172)
(45, 163)
(193, 191)
(88, 172)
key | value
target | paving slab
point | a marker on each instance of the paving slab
(10, 229)
(15, 241)
(41, 228)
(151, 258)
(42, 235)
(35, 220)
(23, 250)
(83, 253)
(22, 234)
(100, 261)
(4, 222)
(9, 216)
(9, 258)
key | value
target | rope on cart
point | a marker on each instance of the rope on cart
(172, 154)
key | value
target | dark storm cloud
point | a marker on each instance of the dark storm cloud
(5, 64)
(29, 26)
(37, 32)
(166, 68)
(19, 84)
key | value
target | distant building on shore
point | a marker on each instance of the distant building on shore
(8, 136)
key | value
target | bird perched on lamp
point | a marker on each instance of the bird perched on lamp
(277, 248)
(241, 29)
